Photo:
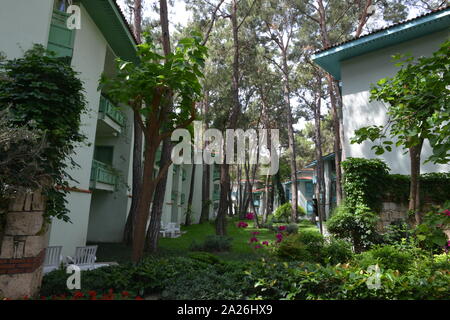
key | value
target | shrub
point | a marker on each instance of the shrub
(388, 257)
(358, 225)
(396, 231)
(305, 246)
(43, 92)
(204, 257)
(213, 243)
(292, 228)
(283, 213)
(337, 251)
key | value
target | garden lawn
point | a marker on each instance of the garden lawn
(241, 247)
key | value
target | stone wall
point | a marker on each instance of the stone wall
(390, 212)
(22, 250)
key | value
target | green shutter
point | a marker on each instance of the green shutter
(60, 39)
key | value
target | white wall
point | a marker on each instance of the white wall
(357, 75)
(22, 24)
(88, 59)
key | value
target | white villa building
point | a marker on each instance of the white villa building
(100, 198)
(365, 60)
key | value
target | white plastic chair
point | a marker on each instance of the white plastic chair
(53, 258)
(172, 229)
(85, 258)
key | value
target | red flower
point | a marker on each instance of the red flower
(78, 294)
(249, 216)
(125, 293)
(282, 228)
(139, 298)
(92, 293)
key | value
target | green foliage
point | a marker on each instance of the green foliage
(283, 213)
(419, 105)
(397, 232)
(430, 232)
(213, 243)
(363, 182)
(337, 251)
(434, 187)
(187, 278)
(204, 257)
(44, 93)
(305, 246)
(357, 224)
(310, 246)
(177, 75)
(292, 228)
(389, 258)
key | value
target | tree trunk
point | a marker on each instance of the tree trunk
(291, 140)
(137, 183)
(137, 145)
(188, 219)
(337, 137)
(206, 199)
(414, 193)
(320, 186)
(146, 197)
(224, 170)
(158, 201)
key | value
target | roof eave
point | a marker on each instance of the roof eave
(330, 59)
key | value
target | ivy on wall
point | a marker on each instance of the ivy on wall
(43, 92)
(368, 182)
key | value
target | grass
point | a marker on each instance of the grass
(241, 248)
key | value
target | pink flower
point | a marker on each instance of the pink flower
(242, 224)
(249, 216)
(266, 243)
(279, 237)
(253, 239)
(258, 246)
(282, 228)
(255, 233)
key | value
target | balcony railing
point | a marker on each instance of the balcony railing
(216, 174)
(103, 173)
(109, 109)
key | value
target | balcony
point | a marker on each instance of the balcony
(216, 174)
(103, 177)
(112, 119)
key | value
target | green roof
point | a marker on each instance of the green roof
(330, 59)
(110, 20)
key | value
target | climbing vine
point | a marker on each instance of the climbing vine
(44, 93)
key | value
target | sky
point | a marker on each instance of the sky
(177, 13)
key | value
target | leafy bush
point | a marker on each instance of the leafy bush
(397, 231)
(337, 251)
(292, 228)
(187, 278)
(283, 213)
(389, 257)
(204, 257)
(44, 93)
(305, 246)
(358, 225)
(213, 243)
(430, 232)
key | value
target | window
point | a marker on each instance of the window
(309, 190)
(61, 39)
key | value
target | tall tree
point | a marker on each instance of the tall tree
(137, 142)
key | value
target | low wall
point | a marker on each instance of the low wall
(22, 250)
